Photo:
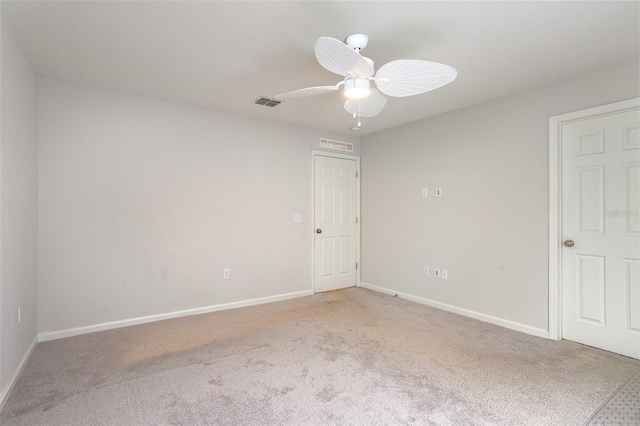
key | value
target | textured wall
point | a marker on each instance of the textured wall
(144, 202)
(489, 230)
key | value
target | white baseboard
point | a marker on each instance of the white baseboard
(461, 311)
(69, 332)
(4, 395)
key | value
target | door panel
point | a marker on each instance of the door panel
(346, 215)
(326, 204)
(326, 257)
(600, 212)
(335, 208)
(591, 287)
(631, 191)
(346, 262)
(591, 200)
(632, 281)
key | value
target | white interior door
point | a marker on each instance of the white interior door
(336, 223)
(600, 228)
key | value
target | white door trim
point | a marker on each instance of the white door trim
(312, 228)
(555, 203)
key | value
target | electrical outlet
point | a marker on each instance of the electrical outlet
(436, 273)
(19, 314)
(297, 217)
(438, 192)
(444, 274)
(425, 193)
(425, 271)
(226, 273)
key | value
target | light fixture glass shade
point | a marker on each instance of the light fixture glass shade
(356, 88)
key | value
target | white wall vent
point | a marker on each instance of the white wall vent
(337, 145)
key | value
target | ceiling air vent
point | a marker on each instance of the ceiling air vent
(263, 100)
(337, 145)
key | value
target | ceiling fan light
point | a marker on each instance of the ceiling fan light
(356, 88)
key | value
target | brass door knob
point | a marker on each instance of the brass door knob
(569, 243)
(318, 231)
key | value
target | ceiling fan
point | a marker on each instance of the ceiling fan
(400, 78)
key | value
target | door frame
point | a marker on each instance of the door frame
(312, 228)
(555, 201)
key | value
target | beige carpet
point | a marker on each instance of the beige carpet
(350, 357)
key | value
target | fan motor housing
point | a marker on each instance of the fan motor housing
(357, 41)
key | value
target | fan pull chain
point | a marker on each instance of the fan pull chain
(357, 117)
(358, 123)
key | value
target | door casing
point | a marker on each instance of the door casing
(555, 203)
(312, 228)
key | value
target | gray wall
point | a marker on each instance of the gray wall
(18, 204)
(144, 202)
(489, 230)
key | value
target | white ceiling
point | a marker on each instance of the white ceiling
(223, 55)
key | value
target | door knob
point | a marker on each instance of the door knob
(569, 243)
(318, 231)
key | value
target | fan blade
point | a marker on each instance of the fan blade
(406, 77)
(339, 58)
(307, 91)
(366, 107)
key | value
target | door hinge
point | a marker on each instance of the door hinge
(356, 219)
(356, 265)
(356, 173)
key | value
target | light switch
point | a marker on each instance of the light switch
(297, 217)
(425, 193)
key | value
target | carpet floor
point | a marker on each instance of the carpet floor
(353, 357)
